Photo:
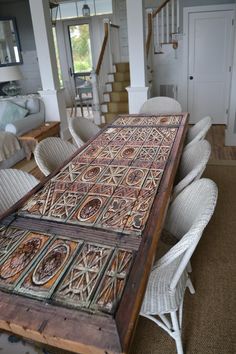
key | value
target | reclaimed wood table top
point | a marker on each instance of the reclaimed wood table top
(76, 252)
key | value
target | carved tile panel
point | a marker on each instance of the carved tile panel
(43, 277)
(83, 277)
(40, 203)
(89, 210)
(113, 282)
(9, 237)
(21, 258)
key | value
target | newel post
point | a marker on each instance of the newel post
(96, 103)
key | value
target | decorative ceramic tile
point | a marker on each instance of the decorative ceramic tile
(134, 177)
(169, 136)
(116, 213)
(40, 203)
(163, 153)
(43, 277)
(89, 210)
(71, 172)
(153, 179)
(124, 134)
(147, 153)
(92, 173)
(20, 259)
(112, 285)
(140, 135)
(80, 282)
(155, 137)
(9, 237)
(91, 151)
(113, 175)
(102, 189)
(138, 216)
(109, 152)
(128, 152)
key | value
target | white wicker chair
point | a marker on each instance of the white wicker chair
(14, 184)
(187, 217)
(82, 129)
(161, 105)
(192, 165)
(50, 153)
(198, 131)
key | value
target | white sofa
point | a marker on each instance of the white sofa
(11, 151)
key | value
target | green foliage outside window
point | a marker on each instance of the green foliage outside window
(80, 46)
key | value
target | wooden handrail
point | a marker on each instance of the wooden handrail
(104, 43)
(149, 36)
(160, 8)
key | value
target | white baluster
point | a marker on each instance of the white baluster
(162, 26)
(157, 32)
(167, 24)
(96, 104)
(177, 21)
(172, 16)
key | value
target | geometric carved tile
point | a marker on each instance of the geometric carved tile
(20, 259)
(112, 285)
(153, 179)
(116, 213)
(40, 203)
(138, 216)
(83, 276)
(43, 277)
(112, 175)
(9, 237)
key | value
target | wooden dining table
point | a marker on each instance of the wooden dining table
(76, 252)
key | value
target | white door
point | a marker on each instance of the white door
(209, 64)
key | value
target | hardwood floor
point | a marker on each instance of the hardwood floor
(216, 137)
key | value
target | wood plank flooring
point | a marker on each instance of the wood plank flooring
(215, 136)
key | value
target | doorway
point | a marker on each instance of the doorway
(208, 54)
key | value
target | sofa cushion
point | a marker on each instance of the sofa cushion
(19, 101)
(32, 104)
(10, 112)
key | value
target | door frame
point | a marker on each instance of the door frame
(185, 69)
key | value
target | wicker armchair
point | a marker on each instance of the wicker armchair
(14, 184)
(161, 105)
(82, 130)
(50, 153)
(198, 131)
(186, 220)
(192, 165)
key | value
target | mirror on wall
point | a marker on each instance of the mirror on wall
(10, 51)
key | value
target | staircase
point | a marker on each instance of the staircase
(116, 97)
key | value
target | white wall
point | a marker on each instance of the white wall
(120, 16)
(30, 69)
(168, 66)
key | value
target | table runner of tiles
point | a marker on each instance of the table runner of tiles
(112, 183)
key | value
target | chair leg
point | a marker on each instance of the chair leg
(190, 286)
(177, 332)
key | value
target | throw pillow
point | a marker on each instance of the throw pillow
(10, 113)
(32, 105)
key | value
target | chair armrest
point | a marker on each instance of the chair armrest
(26, 124)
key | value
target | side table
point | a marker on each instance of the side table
(30, 139)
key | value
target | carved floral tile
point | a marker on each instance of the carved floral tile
(45, 274)
(134, 177)
(9, 238)
(89, 210)
(113, 282)
(21, 258)
(83, 276)
(71, 172)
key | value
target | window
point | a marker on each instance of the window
(72, 9)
